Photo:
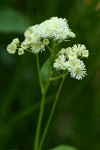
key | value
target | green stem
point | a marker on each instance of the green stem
(49, 48)
(55, 78)
(36, 144)
(43, 90)
(38, 68)
(37, 135)
(51, 114)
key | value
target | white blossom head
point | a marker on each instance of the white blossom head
(12, 47)
(37, 47)
(57, 28)
(20, 51)
(80, 50)
(76, 68)
(60, 63)
(32, 34)
(38, 36)
(71, 61)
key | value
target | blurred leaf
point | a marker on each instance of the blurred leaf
(64, 147)
(12, 21)
(45, 73)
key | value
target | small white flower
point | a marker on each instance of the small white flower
(72, 63)
(12, 47)
(72, 55)
(85, 53)
(78, 73)
(24, 45)
(68, 53)
(20, 51)
(28, 32)
(60, 63)
(80, 50)
(45, 41)
(16, 41)
(28, 40)
(76, 68)
(37, 47)
(44, 29)
(62, 51)
(32, 34)
(71, 34)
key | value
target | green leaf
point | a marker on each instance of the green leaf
(64, 147)
(45, 73)
(12, 21)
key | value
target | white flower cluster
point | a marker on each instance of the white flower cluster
(69, 59)
(36, 37)
(11, 48)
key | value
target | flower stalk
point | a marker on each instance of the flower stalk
(51, 114)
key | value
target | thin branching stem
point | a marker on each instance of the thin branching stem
(51, 114)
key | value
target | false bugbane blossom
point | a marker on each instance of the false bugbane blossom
(71, 61)
(38, 36)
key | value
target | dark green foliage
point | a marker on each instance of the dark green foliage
(76, 120)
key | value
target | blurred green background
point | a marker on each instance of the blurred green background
(76, 120)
